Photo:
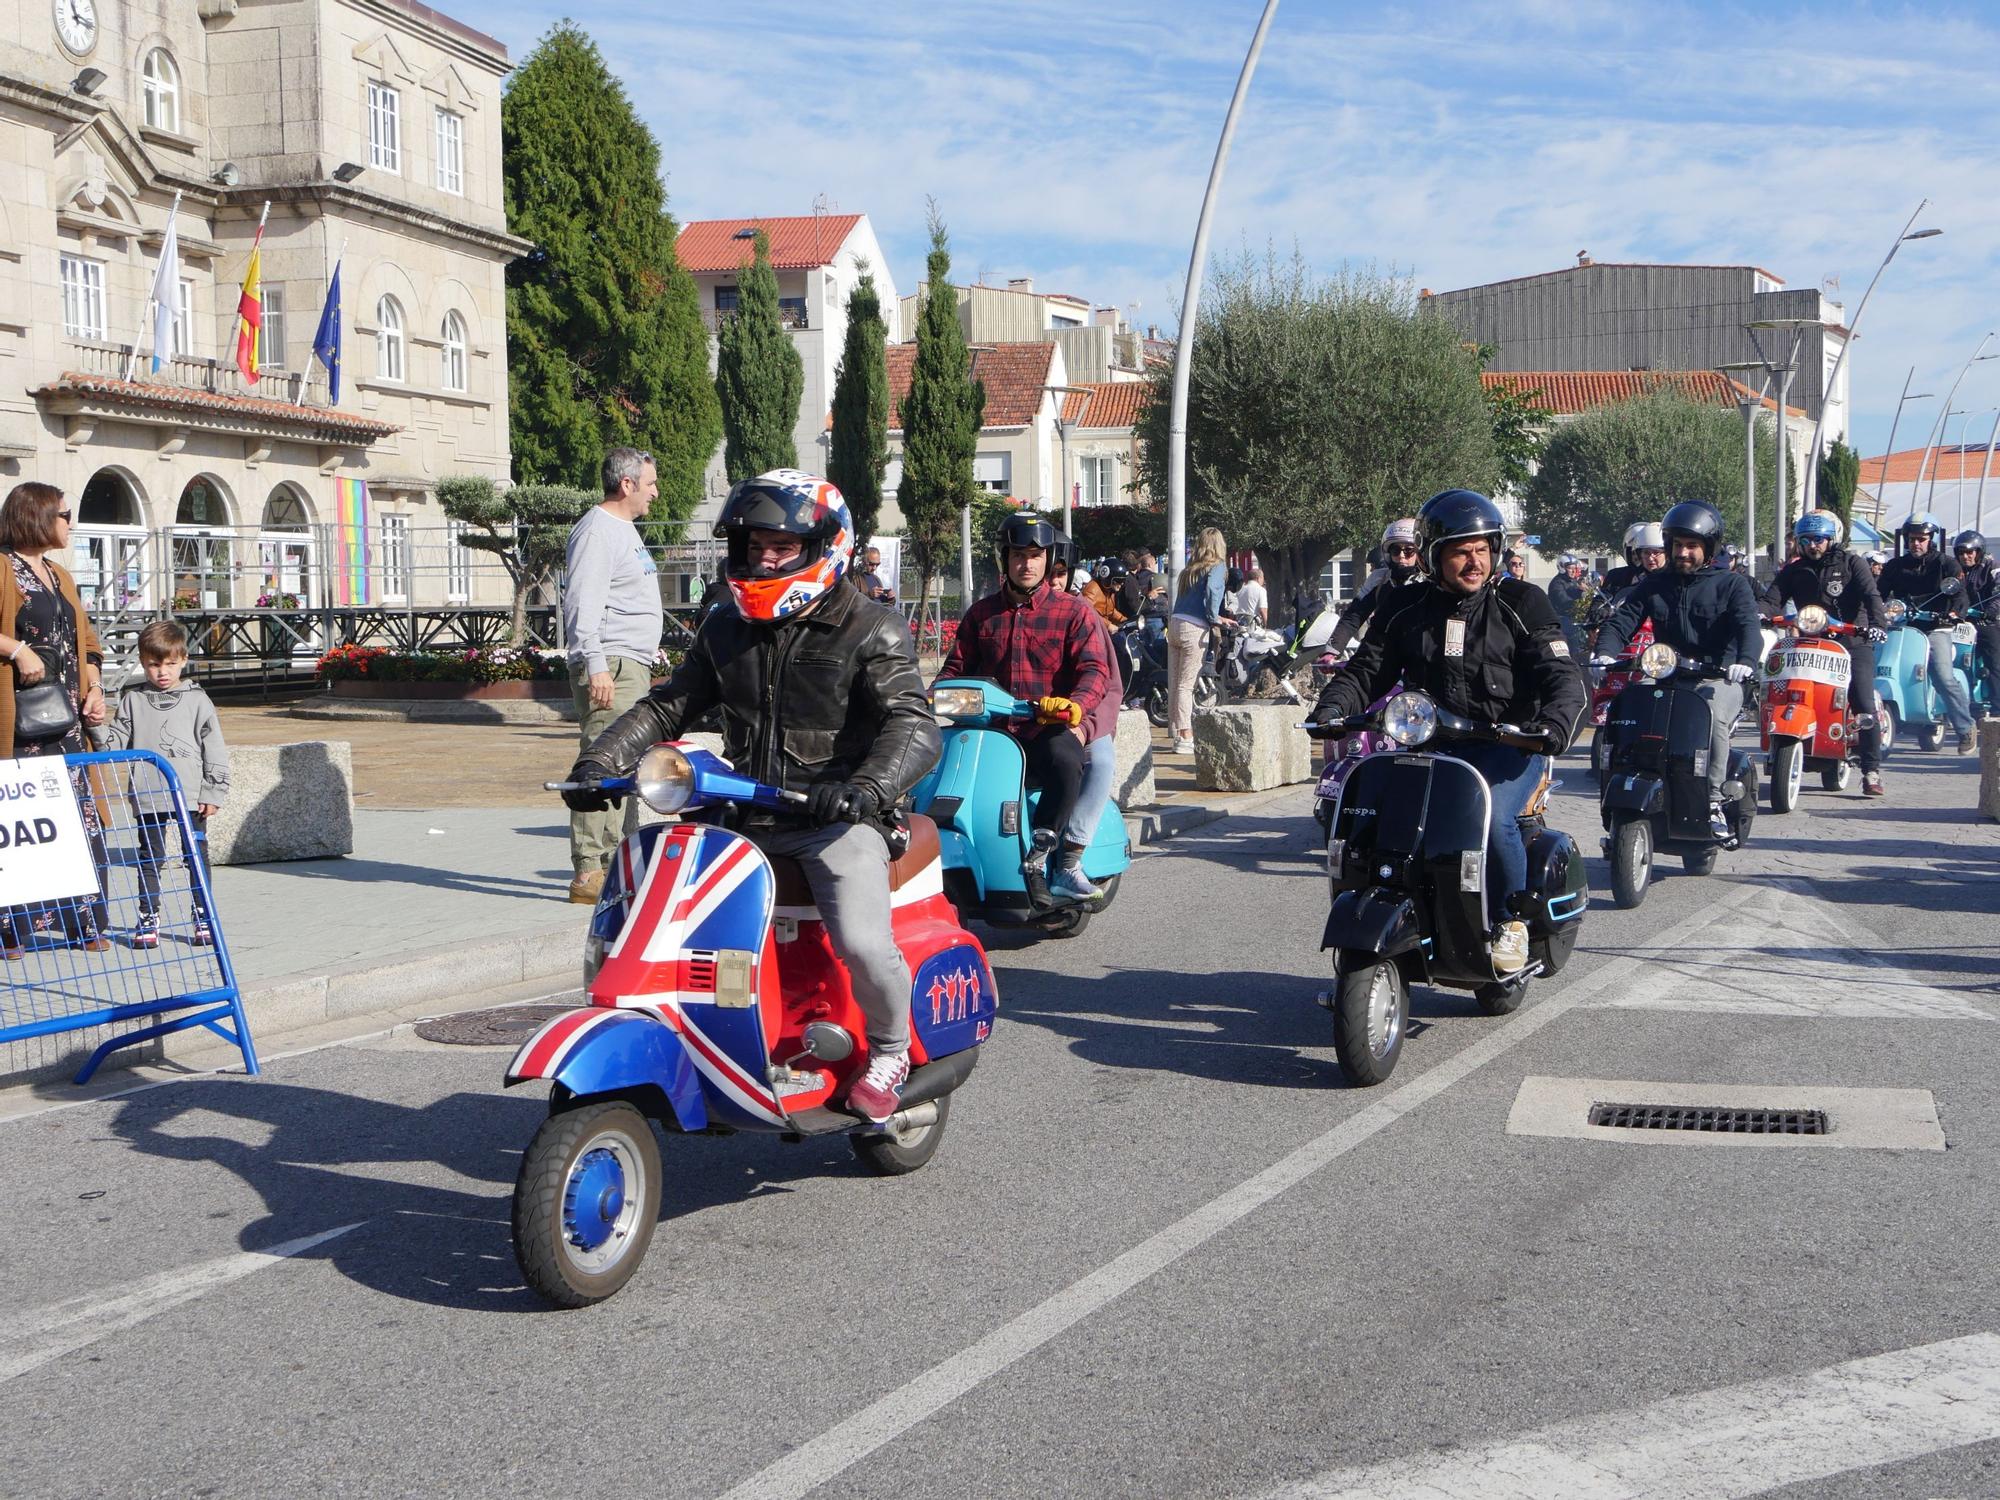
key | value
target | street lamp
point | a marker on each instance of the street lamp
(1748, 404)
(1882, 483)
(1781, 500)
(1062, 435)
(1191, 307)
(1979, 355)
(1840, 359)
(1968, 415)
(1979, 500)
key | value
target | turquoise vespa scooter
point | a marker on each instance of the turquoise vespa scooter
(984, 810)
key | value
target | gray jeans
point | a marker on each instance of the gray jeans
(847, 866)
(1100, 770)
(1957, 706)
(1725, 702)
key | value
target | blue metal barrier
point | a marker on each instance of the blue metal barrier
(81, 962)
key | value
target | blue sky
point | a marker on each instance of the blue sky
(1452, 143)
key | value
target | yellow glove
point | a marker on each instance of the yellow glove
(1058, 711)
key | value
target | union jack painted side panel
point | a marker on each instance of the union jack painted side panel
(692, 952)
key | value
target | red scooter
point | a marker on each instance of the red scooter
(1809, 723)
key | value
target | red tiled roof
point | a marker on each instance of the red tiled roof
(798, 243)
(1567, 392)
(1016, 378)
(1959, 461)
(179, 398)
(1115, 403)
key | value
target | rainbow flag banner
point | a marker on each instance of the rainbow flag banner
(350, 541)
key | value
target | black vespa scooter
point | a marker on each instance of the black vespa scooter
(1407, 859)
(1655, 792)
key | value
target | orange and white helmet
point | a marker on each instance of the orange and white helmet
(802, 505)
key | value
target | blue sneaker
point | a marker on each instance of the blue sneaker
(1070, 884)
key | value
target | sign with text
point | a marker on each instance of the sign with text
(44, 855)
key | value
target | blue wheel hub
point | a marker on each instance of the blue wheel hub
(593, 1199)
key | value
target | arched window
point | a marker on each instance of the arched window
(388, 340)
(163, 90)
(453, 336)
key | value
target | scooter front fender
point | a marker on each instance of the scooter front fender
(1792, 721)
(1374, 921)
(598, 1050)
(1634, 793)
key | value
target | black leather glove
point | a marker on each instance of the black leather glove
(1555, 739)
(841, 802)
(591, 800)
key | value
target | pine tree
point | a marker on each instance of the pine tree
(859, 455)
(759, 376)
(941, 418)
(604, 333)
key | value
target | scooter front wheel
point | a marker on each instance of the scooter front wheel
(1371, 1011)
(1930, 737)
(1631, 862)
(1156, 705)
(896, 1153)
(1788, 771)
(586, 1202)
(1837, 778)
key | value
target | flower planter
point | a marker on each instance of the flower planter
(552, 690)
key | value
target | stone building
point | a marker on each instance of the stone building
(371, 128)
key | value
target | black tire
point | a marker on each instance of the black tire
(1368, 1052)
(563, 1163)
(1788, 769)
(1890, 726)
(1930, 737)
(1498, 999)
(1837, 778)
(888, 1155)
(1699, 864)
(1156, 705)
(1069, 922)
(1631, 862)
(1323, 815)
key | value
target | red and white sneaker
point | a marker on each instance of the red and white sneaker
(875, 1095)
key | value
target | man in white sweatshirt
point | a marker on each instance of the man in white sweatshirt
(612, 623)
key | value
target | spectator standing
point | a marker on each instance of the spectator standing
(1253, 604)
(45, 636)
(613, 620)
(1196, 613)
(873, 584)
(171, 716)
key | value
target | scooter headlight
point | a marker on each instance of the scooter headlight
(1410, 718)
(1658, 660)
(665, 778)
(1812, 620)
(1896, 609)
(958, 703)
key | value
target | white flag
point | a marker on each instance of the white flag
(167, 287)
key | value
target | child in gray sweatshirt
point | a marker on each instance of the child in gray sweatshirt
(176, 721)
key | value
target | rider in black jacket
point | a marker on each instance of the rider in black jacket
(1982, 592)
(1924, 578)
(1701, 611)
(1769, 600)
(1484, 647)
(820, 694)
(1827, 574)
(1400, 565)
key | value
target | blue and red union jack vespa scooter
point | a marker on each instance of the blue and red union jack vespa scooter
(717, 1005)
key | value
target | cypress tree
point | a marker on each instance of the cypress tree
(941, 418)
(1839, 473)
(604, 334)
(759, 375)
(860, 452)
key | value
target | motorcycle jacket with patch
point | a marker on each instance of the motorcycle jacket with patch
(1362, 608)
(1496, 655)
(830, 695)
(1930, 582)
(1710, 614)
(1982, 585)
(1840, 582)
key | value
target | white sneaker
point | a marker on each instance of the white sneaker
(1182, 747)
(1510, 948)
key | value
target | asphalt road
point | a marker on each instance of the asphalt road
(1164, 1250)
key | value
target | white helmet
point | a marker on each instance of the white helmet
(1404, 531)
(1643, 536)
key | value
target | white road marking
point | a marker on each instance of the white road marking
(847, 1442)
(32, 1339)
(1735, 1441)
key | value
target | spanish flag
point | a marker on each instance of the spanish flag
(250, 306)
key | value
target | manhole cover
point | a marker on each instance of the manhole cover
(1700, 1117)
(506, 1026)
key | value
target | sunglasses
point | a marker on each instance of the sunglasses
(1400, 551)
(62, 515)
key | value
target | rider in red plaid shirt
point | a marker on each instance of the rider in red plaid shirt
(1045, 645)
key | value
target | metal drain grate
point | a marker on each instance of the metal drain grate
(506, 1026)
(1701, 1117)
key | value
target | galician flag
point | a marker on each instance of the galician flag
(326, 342)
(250, 306)
(167, 288)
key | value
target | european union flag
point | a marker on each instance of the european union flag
(326, 342)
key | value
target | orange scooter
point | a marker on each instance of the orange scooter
(1809, 722)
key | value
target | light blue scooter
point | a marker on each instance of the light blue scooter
(984, 810)
(1911, 703)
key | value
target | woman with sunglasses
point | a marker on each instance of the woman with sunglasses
(45, 634)
(1400, 565)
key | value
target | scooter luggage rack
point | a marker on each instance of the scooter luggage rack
(143, 843)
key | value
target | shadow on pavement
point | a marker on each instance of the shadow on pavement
(333, 1159)
(351, 871)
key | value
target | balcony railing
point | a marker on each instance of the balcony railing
(793, 318)
(188, 373)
